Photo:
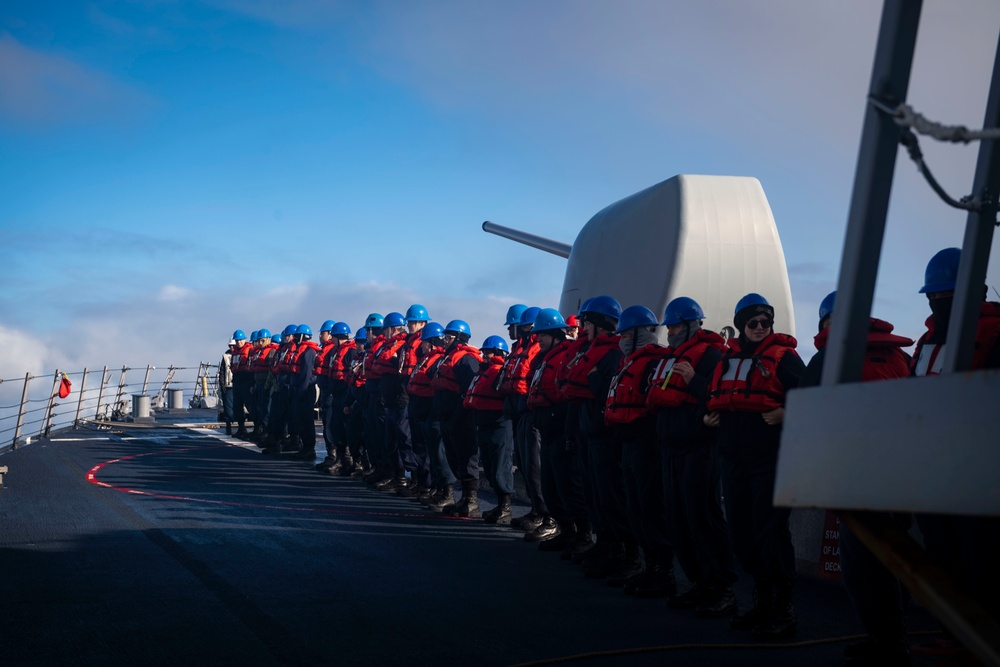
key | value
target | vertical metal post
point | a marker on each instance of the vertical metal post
(79, 403)
(47, 419)
(145, 380)
(100, 394)
(964, 319)
(20, 412)
(870, 197)
(121, 386)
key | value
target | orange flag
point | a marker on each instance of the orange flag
(64, 386)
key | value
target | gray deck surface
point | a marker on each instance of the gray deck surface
(202, 551)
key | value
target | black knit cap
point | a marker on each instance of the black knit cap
(745, 315)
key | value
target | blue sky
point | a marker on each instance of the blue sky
(170, 171)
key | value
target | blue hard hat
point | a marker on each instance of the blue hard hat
(548, 319)
(514, 313)
(495, 343)
(751, 299)
(942, 271)
(458, 327)
(528, 316)
(636, 316)
(340, 329)
(254, 335)
(583, 306)
(239, 335)
(289, 330)
(327, 326)
(276, 338)
(303, 329)
(393, 320)
(603, 305)
(826, 305)
(361, 334)
(373, 321)
(417, 313)
(431, 330)
(682, 309)
(262, 334)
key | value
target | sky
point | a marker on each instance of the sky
(172, 171)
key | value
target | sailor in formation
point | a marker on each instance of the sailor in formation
(634, 456)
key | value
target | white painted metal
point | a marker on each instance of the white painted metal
(924, 444)
(712, 238)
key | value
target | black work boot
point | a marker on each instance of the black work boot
(502, 513)
(467, 506)
(781, 623)
(659, 582)
(608, 560)
(446, 499)
(629, 567)
(229, 428)
(718, 602)
(546, 530)
(241, 432)
(763, 601)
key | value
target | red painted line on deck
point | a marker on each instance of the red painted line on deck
(92, 478)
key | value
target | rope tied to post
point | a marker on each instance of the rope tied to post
(911, 123)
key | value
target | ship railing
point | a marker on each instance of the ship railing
(31, 407)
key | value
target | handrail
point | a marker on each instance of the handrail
(31, 408)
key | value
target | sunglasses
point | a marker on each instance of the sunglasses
(763, 324)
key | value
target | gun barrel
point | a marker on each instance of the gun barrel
(533, 240)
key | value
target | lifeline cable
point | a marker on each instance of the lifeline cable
(910, 122)
(688, 647)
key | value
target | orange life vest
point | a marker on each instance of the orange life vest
(320, 367)
(751, 384)
(627, 396)
(668, 389)
(573, 378)
(336, 370)
(299, 351)
(517, 368)
(261, 363)
(884, 359)
(481, 394)
(544, 390)
(241, 359)
(369, 360)
(444, 377)
(420, 378)
(928, 358)
(285, 359)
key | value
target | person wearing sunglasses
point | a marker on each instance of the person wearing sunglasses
(746, 402)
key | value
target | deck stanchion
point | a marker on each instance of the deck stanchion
(20, 412)
(79, 403)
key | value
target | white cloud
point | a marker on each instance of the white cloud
(173, 293)
(38, 88)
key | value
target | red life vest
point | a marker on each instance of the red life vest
(751, 384)
(420, 378)
(481, 395)
(356, 373)
(405, 346)
(285, 359)
(517, 368)
(573, 378)
(371, 356)
(668, 389)
(928, 357)
(261, 363)
(884, 359)
(544, 391)
(627, 396)
(444, 377)
(241, 359)
(320, 366)
(336, 370)
(299, 351)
